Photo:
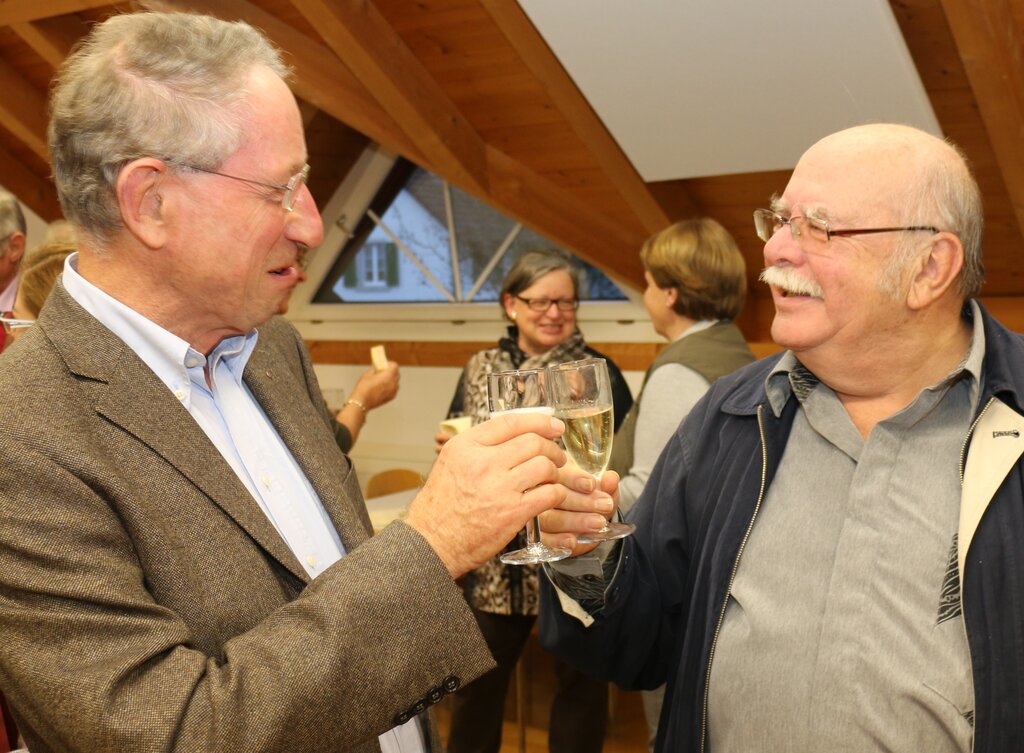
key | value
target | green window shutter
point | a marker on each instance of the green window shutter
(391, 263)
(350, 274)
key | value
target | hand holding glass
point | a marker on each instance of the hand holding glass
(581, 393)
(523, 391)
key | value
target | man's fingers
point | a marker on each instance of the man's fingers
(504, 427)
(562, 521)
(516, 450)
(533, 472)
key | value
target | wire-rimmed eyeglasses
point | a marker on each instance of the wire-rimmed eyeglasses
(9, 323)
(543, 304)
(768, 223)
(289, 191)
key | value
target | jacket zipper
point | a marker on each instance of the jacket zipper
(970, 432)
(732, 578)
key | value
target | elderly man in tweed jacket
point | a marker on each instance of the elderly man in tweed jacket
(185, 561)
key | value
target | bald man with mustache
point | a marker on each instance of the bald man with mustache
(828, 552)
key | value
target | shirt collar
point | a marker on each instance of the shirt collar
(790, 377)
(696, 327)
(165, 353)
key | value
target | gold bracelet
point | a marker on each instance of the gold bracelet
(357, 403)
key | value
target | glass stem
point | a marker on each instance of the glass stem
(533, 532)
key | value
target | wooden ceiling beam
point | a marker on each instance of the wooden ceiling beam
(367, 44)
(23, 11)
(38, 194)
(991, 46)
(319, 77)
(23, 111)
(559, 215)
(552, 76)
(51, 38)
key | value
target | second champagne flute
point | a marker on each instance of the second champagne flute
(582, 395)
(523, 391)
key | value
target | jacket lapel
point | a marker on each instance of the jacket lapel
(304, 431)
(127, 393)
(996, 447)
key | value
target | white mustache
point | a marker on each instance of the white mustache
(787, 279)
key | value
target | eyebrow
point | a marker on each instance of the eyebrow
(810, 211)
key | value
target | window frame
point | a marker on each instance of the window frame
(417, 321)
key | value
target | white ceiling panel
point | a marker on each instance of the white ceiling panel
(709, 87)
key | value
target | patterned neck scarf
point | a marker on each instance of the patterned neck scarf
(507, 356)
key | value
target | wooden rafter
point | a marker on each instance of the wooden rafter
(51, 38)
(23, 11)
(991, 47)
(320, 78)
(38, 194)
(541, 61)
(23, 111)
(367, 44)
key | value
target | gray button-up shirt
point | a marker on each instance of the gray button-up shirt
(844, 630)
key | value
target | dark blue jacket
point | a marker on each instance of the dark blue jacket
(663, 610)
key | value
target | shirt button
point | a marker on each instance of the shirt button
(265, 479)
(192, 362)
(311, 561)
(180, 394)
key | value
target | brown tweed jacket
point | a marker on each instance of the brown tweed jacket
(146, 602)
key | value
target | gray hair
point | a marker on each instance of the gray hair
(944, 194)
(12, 219)
(533, 265)
(166, 85)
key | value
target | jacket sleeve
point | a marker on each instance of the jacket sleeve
(92, 661)
(635, 630)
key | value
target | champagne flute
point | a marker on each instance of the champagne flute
(523, 391)
(581, 393)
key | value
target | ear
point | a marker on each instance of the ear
(671, 296)
(509, 304)
(15, 246)
(936, 272)
(140, 201)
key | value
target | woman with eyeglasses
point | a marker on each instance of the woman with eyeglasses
(539, 297)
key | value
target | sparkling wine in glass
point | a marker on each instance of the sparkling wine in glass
(523, 391)
(581, 393)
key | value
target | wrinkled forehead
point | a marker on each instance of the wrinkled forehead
(843, 180)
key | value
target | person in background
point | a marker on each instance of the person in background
(372, 390)
(828, 552)
(40, 271)
(12, 246)
(41, 267)
(539, 297)
(696, 283)
(188, 564)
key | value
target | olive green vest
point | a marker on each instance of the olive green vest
(712, 352)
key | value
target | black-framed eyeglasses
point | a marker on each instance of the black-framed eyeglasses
(289, 191)
(768, 223)
(9, 323)
(543, 304)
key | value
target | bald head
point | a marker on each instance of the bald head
(912, 176)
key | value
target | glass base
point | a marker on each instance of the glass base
(534, 554)
(610, 532)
